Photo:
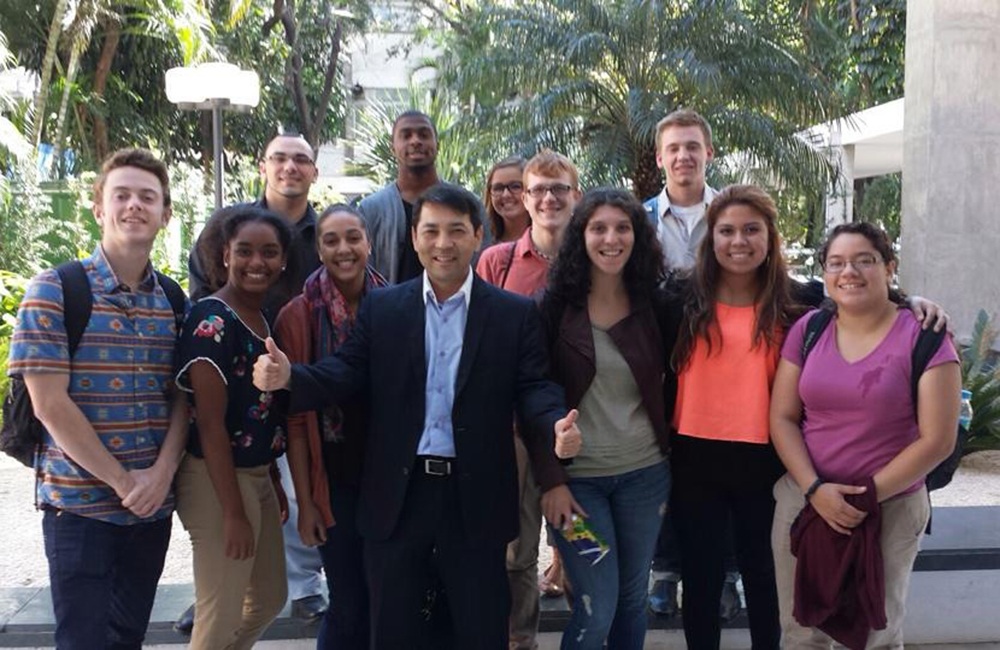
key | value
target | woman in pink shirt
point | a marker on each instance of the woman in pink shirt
(847, 415)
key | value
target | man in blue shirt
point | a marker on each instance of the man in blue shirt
(115, 428)
(444, 360)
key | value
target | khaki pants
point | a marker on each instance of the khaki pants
(235, 600)
(522, 558)
(903, 521)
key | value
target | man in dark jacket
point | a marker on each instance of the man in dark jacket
(444, 360)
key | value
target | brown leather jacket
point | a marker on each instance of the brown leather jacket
(644, 338)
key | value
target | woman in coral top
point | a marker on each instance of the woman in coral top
(736, 308)
(326, 448)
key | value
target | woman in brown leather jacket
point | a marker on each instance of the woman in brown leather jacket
(608, 329)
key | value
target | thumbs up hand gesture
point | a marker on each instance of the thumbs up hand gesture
(272, 371)
(568, 438)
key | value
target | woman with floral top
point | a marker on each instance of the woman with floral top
(225, 496)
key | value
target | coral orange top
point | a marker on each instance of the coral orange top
(726, 395)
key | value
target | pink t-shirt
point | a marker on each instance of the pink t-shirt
(859, 416)
(529, 271)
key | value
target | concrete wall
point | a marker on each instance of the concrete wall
(951, 156)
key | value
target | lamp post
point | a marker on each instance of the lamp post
(214, 87)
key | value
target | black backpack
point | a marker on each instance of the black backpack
(22, 433)
(926, 346)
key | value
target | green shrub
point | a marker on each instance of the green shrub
(981, 376)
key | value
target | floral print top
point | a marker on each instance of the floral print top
(213, 332)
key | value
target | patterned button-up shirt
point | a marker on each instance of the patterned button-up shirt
(118, 378)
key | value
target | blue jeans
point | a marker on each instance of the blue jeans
(625, 511)
(345, 625)
(103, 579)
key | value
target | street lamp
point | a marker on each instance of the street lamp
(215, 87)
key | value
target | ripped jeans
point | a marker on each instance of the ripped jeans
(625, 511)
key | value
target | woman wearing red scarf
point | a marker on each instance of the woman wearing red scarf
(326, 448)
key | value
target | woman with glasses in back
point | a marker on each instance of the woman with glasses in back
(845, 424)
(502, 199)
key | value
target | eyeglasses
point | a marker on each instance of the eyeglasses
(860, 263)
(497, 189)
(300, 160)
(558, 190)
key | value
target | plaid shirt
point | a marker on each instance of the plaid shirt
(118, 379)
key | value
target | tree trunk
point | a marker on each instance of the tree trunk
(647, 181)
(324, 100)
(79, 45)
(55, 29)
(101, 74)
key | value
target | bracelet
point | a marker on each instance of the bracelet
(812, 488)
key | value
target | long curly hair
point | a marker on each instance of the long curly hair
(774, 309)
(569, 278)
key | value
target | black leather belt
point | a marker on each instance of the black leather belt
(436, 466)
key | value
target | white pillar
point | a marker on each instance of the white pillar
(840, 195)
(951, 156)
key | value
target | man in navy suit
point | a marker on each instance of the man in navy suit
(445, 360)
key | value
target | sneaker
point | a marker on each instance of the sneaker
(730, 605)
(309, 608)
(663, 596)
(185, 623)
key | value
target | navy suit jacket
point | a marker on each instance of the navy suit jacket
(503, 369)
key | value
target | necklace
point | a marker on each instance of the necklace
(547, 258)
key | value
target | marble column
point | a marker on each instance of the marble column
(951, 156)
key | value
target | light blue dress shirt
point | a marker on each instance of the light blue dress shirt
(444, 333)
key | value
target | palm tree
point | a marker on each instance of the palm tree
(595, 76)
(459, 159)
(48, 62)
(13, 145)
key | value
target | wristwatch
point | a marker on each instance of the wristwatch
(812, 488)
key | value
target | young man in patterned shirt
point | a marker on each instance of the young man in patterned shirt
(115, 431)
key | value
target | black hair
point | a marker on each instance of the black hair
(295, 135)
(336, 208)
(242, 215)
(879, 241)
(414, 113)
(569, 278)
(219, 230)
(457, 198)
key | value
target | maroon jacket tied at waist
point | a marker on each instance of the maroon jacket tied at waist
(839, 579)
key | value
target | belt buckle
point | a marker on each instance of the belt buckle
(437, 467)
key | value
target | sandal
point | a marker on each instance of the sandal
(548, 587)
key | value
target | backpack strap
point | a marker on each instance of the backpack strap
(174, 294)
(814, 327)
(927, 345)
(510, 262)
(78, 302)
